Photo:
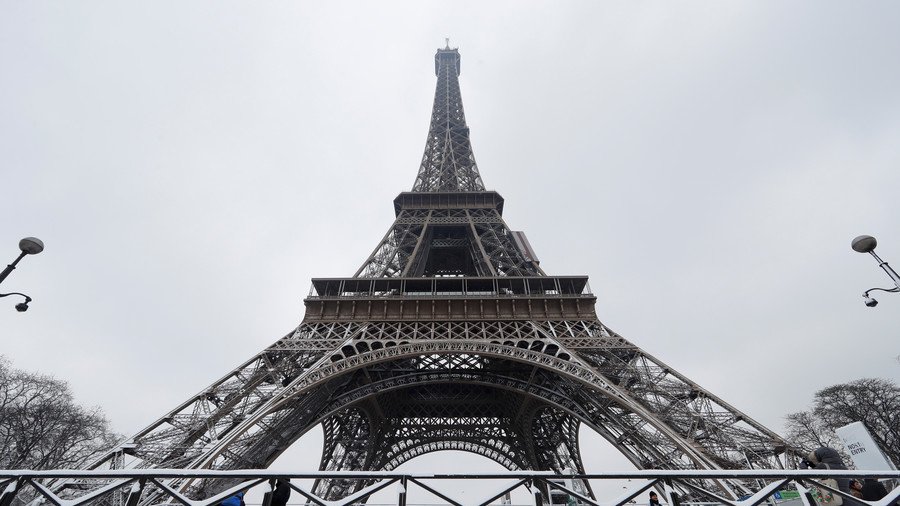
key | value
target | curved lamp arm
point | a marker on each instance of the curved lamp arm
(866, 293)
(22, 306)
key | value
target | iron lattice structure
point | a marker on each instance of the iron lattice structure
(451, 336)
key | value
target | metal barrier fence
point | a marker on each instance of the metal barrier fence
(165, 486)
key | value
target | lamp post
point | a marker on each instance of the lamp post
(28, 246)
(866, 244)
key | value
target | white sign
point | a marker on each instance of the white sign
(862, 448)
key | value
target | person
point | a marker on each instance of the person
(281, 494)
(856, 489)
(654, 500)
(873, 490)
(829, 458)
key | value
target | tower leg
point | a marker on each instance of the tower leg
(346, 448)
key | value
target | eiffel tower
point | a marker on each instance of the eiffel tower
(450, 336)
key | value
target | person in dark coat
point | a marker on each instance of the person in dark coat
(654, 500)
(830, 459)
(281, 494)
(873, 490)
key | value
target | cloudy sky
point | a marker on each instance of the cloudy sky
(190, 166)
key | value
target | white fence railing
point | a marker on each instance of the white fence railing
(166, 486)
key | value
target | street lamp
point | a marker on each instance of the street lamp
(866, 244)
(29, 246)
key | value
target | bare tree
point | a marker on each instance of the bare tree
(874, 402)
(41, 426)
(807, 431)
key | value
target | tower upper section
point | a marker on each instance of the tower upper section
(449, 225)
(448, 164)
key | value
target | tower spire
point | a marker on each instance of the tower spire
(448, 164)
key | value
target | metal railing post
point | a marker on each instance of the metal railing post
(134, 495)
(538, 497)
(671, 495)
(401, 492)
(10, 493)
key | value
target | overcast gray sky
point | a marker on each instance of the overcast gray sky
(191, 165)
